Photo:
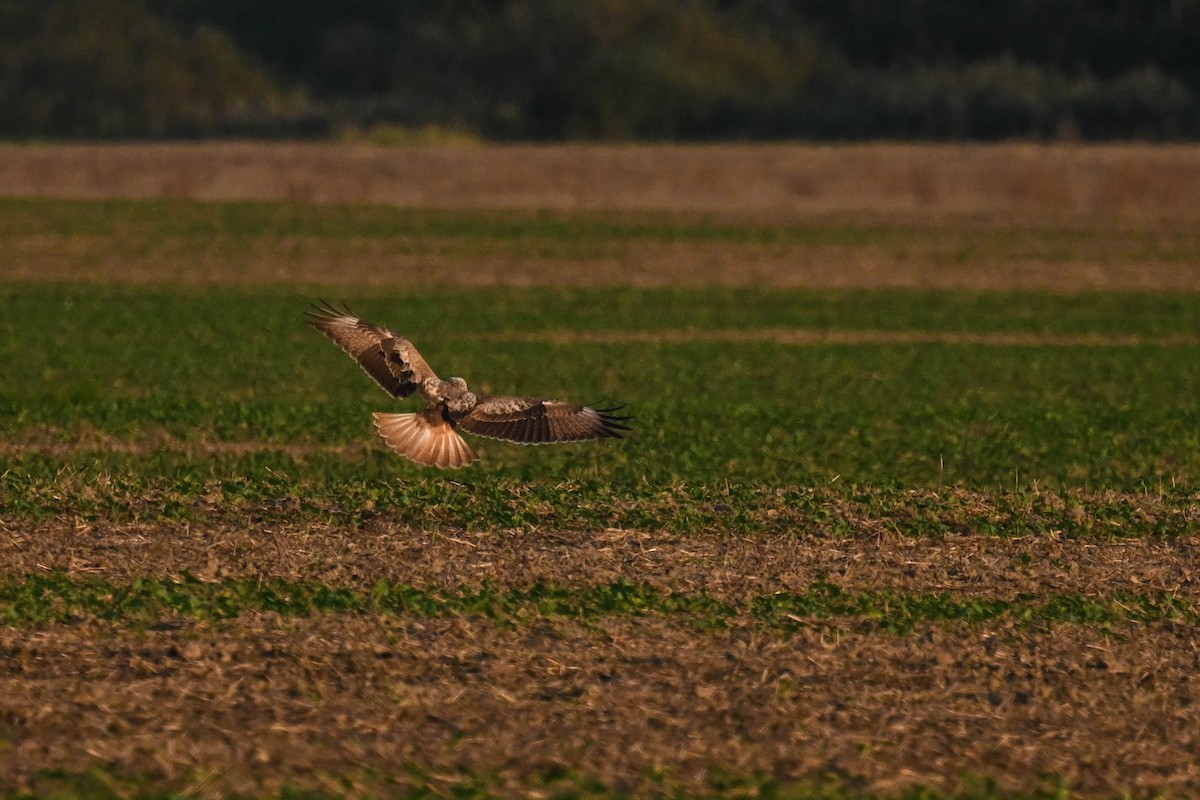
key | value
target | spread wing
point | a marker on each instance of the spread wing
(532, 420)
(390, 359)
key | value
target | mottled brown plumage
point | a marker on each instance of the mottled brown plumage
(430, 436)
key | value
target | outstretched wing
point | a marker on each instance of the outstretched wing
(531, 420)
(390, 359)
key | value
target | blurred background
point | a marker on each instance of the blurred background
(601, 70)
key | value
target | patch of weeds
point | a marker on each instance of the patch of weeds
(890, 611)
(276, 487)
(93, 784)
(57, 598)
(558, 783)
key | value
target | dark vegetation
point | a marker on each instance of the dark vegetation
(57, 598)
(614, 69)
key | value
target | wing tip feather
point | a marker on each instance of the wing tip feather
(323, 312)
(612, 424)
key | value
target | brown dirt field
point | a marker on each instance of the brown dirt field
(250, 703)
(779, 181)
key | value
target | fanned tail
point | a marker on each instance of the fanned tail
(433, 444)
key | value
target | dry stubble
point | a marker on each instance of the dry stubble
(264, 700)
(771, 182)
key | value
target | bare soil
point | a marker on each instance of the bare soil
(775, 182)
(251, 703)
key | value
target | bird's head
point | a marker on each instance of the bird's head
(457, 398)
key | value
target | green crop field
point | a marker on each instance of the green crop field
(745, 417)
(836, 510)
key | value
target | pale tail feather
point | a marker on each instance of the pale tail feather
(412, 436)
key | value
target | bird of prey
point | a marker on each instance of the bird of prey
(430, 436)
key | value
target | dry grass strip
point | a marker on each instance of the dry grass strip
(84, 438)
(777, 181)
(801, 337)
(387, 263)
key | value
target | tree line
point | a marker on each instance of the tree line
(603, 69)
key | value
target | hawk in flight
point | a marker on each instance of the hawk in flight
(430, 436)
